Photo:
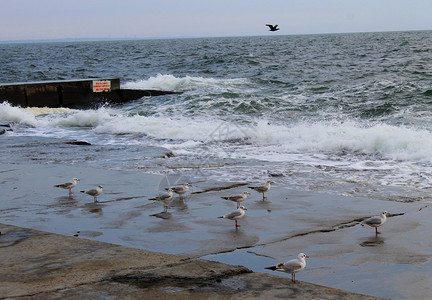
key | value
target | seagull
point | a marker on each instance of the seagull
(235, 215)
(292, 266)
(237, 198)
(263, 188)
(376, 221)
(181, 189)
(68, 185)
(165, 198)
(273, 27)
(94, 192)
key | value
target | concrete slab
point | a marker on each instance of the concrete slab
(41, 265)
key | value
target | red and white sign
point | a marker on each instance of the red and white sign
(101, 86)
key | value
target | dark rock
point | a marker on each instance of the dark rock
(79, 143)
(169, 154)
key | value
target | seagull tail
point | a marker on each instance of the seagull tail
(82, 191)
(221, 217)
(273, 268)
(226, 198)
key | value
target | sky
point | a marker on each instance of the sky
(125, 19)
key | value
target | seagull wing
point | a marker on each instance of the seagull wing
(374, 221)
(292, 265)
(233, 215)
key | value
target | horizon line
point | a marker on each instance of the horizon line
(100, 39)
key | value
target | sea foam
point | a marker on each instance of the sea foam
(260, 139)
(167, 82)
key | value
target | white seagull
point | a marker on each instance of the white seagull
(376, 221)
(237, 198)
(262, 188)
(181, 189)
(68, 185)
(165, 198)
(235, 215)
(292, 266)
(94, 192)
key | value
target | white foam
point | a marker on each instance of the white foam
(393, 142)
(272, 142)
(167, 82)
(14, 114)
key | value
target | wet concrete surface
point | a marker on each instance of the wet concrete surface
(40, 265)
(344, 255)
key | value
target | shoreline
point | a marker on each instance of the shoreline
(35, 266)
(343, 255)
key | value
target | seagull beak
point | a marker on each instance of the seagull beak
(307, 256)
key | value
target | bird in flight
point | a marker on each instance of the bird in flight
(273, 27)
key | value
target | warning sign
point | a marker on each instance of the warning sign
(101, 86)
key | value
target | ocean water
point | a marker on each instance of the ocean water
(346, 115)
(334, 108)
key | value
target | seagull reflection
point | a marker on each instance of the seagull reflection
(162, 215)
(94, 208)
(373, 242)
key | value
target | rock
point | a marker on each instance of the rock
(79, 143)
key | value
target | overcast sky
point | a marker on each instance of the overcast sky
(58, 19)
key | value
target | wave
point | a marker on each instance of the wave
(179, 84)
(259, 139)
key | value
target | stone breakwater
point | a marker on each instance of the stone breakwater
(41, 265)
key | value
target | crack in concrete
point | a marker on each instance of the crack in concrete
(220, 188)
(336, 227)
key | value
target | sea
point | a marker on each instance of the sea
(342, 114)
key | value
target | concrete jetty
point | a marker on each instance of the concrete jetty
(83, 93)
(41, 265)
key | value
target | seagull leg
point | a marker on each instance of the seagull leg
(376, 231)
(236, 225)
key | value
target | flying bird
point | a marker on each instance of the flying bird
(262, 188)
(376, 221)
(165, 198)
(94, 192)
(235, 215)
(292, 266)
(237, 198)
(68, 185)
(272, 27)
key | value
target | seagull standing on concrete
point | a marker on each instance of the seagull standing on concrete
(165, 198)
(272, 27)
(235, 215)
(237, 198)
(292, 266)
(263, 188)
(94, 192)
(376, 221)
(68, 185)
(181, 189)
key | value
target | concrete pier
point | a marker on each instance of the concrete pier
(83, 93)
(41, 265)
